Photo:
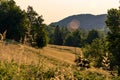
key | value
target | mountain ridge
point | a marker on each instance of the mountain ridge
(87, 21)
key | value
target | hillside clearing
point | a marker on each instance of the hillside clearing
(26, 54)
(51, 57)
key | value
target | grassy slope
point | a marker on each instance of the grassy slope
(25, 54)
(51, 55)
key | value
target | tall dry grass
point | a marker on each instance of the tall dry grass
(52, 62)
(23, 54)
(17, 52)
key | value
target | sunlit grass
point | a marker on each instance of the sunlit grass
(21, 62)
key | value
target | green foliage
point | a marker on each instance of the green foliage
(95, 76)
(69, 40)
(94, 52)
(93, 34)
(31, 14)
(37, 28)
(12, 19)
(41, 38)
(22, 26)
(74, 39)
(113, 37)
(50, 30)
(58, 39)
(88, 75)
(61, 36)
(116, 78)
(14, 71)
(78, 75)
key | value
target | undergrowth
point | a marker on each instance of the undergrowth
(15, 71)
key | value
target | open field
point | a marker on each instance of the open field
(26, 54)
(53, 59)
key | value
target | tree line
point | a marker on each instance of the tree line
(78, 38)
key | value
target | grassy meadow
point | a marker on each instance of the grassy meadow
(21, 62)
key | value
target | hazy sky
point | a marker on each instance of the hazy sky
(55, 10)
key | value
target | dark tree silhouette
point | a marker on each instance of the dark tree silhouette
(113, 37)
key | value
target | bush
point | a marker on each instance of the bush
(94, 52)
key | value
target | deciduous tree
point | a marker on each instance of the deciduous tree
(12, 19)
(113, 37)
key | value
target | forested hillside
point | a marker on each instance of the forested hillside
(87, 21)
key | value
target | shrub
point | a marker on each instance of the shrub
(94, 52)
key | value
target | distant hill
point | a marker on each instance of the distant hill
(86, 21)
